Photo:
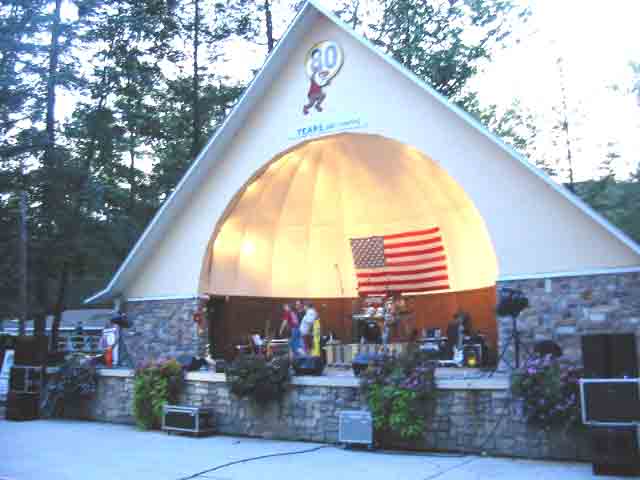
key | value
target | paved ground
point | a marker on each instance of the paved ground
(65, 450)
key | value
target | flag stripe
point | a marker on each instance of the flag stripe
(403, 281)
(411, 261)
(412, 234)
(407, 290)
(414, 243)
(432, 262)
(439, 248)
(375, 274)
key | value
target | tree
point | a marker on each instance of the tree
(443, 41)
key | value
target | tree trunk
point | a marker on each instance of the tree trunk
(52, 81)
(197, 134)
(23, 258)
(565, 123)
(50, 159)
(59, 306)
(354, 18)
(269, 23)
(132, 175)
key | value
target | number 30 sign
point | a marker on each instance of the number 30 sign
(323, 62)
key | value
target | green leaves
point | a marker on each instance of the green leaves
(398, 391)
(254, 376)
(154, 387)
(442, 42)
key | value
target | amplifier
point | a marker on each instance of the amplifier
(24, 379)
(615, 451)
(180, 418)
(22, 406)
(610, 402)
(31, 349)
(355, 427)
(308, 365)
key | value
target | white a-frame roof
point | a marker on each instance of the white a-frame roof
(537, 228)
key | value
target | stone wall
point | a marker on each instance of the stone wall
(563, 309)
(471, 420)
(163, 329)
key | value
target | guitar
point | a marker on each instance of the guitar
(458, 352)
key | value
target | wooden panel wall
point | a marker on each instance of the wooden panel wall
(232, 319)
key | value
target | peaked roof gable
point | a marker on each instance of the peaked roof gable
(235, 120)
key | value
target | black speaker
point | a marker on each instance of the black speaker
(610, 356)
(362, 360)
(610, 402)
(624, 356)
(31, 349)
(615, 451)
(22, 406)
(190, 363)
(308, 365)
(25, 379)
(548, 347)
(511, 302)
(18, 379)
(221, 366)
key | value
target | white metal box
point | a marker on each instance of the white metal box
(355, 427)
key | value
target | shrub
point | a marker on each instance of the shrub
(397, 391)
(549, 391)
(155, 386)
(256, 377)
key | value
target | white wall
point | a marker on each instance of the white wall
(532, 227)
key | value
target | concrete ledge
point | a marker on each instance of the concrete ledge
(116, 372)
(446, 379)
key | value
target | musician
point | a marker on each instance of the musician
(306, 326)
(459, 328)
(290, 320)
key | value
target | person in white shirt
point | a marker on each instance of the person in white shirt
(306, 326)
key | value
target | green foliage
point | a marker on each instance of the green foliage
(549, 391)
(258, 378)
(442, 42)
(154, 387)
(398, 391)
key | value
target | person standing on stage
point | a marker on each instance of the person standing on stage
(299, 310)
(306, 326)
(290, 320)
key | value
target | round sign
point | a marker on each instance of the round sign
(323, 62)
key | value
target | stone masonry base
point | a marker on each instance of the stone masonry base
(473, 420)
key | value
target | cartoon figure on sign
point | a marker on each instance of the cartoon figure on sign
(322, 63)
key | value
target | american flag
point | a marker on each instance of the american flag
(403, 262)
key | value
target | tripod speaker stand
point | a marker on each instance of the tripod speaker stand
(511, 303)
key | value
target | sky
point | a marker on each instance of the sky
(596, 39)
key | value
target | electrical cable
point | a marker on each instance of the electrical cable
(252, 459)
(446, 470)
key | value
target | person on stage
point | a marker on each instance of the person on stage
(306, 326)
(290, 321)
